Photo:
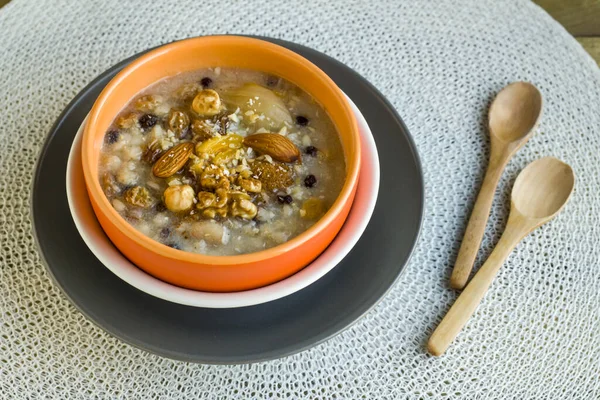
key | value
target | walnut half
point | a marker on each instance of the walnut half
(244, 209)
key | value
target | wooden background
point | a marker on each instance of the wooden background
(580, 17)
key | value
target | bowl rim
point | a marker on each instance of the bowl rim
(96, 192)
(140, 279)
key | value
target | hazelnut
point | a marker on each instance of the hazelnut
(179, 198)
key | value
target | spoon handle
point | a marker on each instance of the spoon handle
(466, 304)
(477, 222)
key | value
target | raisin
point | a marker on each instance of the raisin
(152, 154)
(188, 176)
(138, 196)
(187, 135)
(111, 137)
(178, 122)
(206, 82)
(301, 120)
(311, 151)
(287, 199)
(310, 181)
(147, 121)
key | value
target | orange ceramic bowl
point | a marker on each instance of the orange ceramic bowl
(219, 273)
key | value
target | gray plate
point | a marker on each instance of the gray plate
(263, 332)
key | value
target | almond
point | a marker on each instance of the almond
(172, 160)
(278, 147)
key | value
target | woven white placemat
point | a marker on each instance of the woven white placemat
(537, 333)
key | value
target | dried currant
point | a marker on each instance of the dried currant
(310, 181)
(111, 137)
(206, 82)
(301, 120)
(147, 121)
(311, 151)
(287, 199)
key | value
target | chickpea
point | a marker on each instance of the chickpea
(179, 198)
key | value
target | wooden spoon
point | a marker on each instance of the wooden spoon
(513, 116)
(540, 192)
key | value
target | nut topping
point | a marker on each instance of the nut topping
(207, 103)
(277, 146)
(172, 160)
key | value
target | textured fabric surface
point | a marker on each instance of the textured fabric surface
(536, 334)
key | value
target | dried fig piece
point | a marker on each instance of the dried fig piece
(274, 175)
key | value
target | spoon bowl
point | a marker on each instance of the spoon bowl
(540, 192)
(515, 112)
(543, 188)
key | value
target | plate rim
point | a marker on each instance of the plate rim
(265, 356)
